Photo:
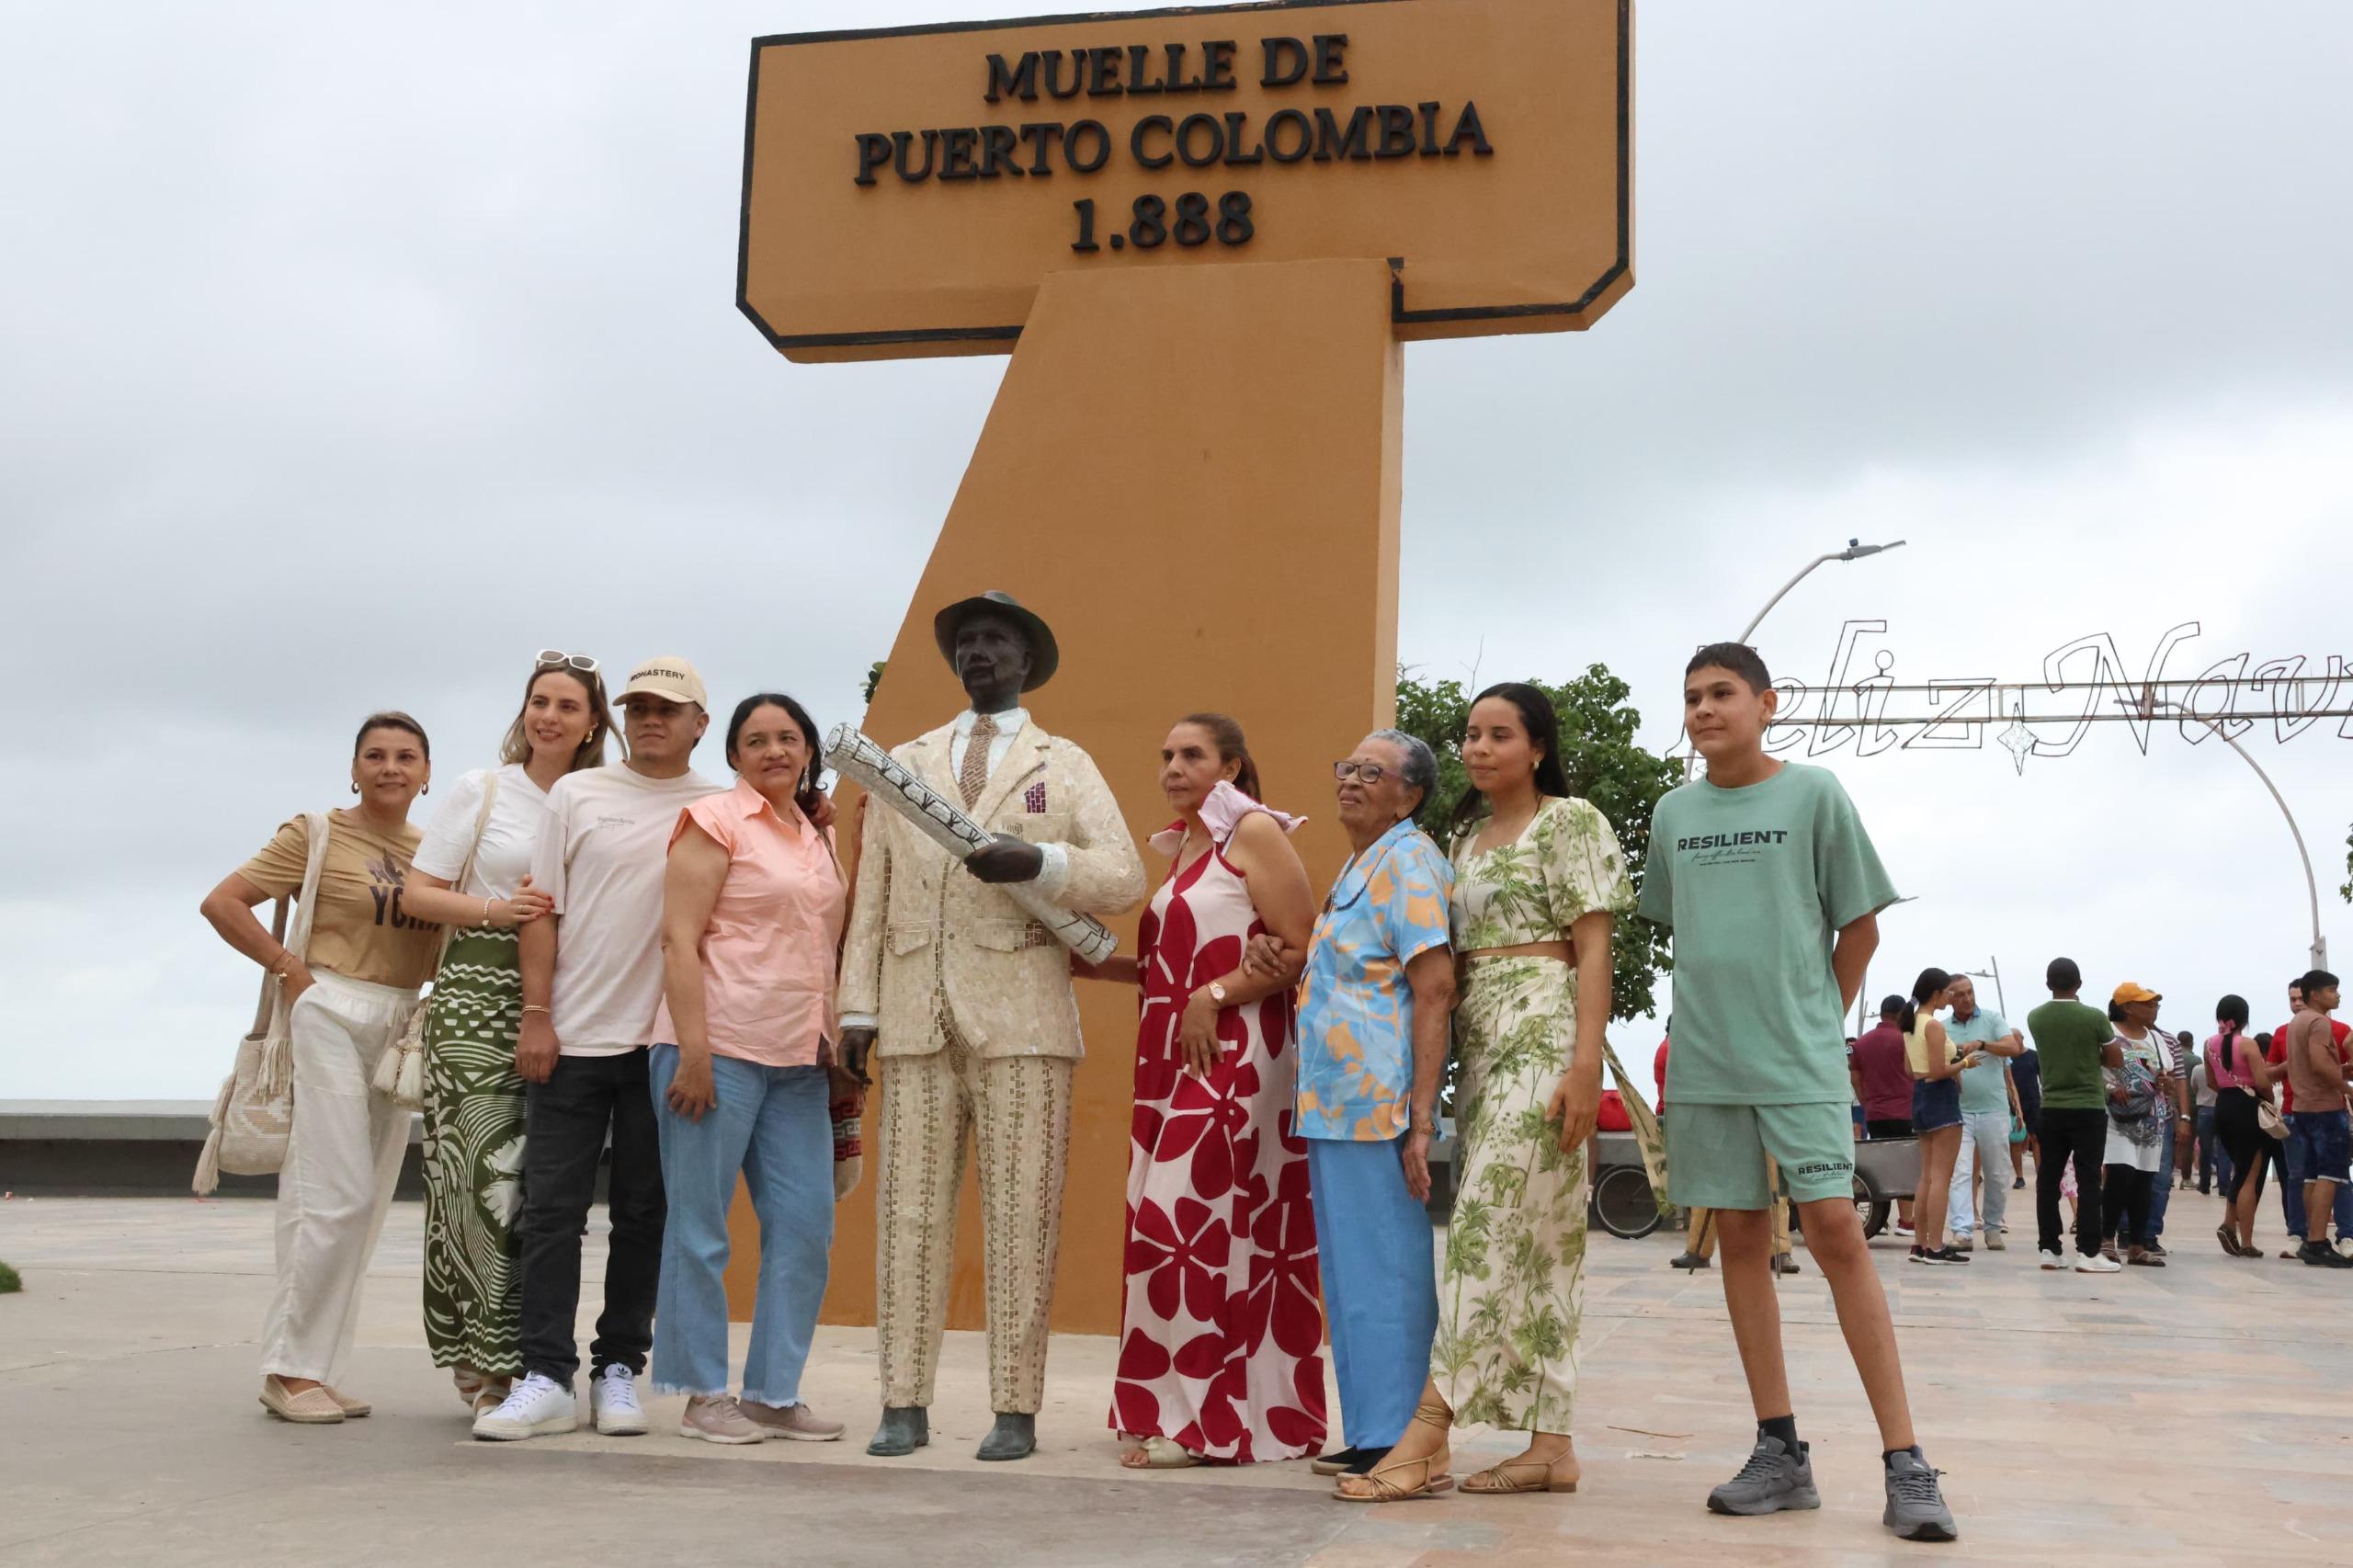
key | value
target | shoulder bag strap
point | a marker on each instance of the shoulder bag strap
(298, 939)
(269, 981)
(466, 867)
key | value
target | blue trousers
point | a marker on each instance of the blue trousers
(771, 1127)
(2160, 1183)
(2292, 1177)
(1379, 1263)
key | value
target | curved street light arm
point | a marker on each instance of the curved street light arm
(2311, 883)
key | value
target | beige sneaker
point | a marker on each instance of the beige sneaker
(719, 1419)
(314, 1406)
(795, 1422)
(1996, 1241)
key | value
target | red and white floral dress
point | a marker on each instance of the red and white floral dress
(1221, 1341)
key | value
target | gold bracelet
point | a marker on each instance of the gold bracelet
(534, 1008)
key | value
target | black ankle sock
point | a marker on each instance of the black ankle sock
(1782, 1426)
(1889, 1456)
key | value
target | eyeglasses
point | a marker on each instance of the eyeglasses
(1369, 773)
(557, 659)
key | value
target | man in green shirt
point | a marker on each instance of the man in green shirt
(1774, 890)
(2075, 1042)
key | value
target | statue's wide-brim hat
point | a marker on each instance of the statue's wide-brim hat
(1043, 655)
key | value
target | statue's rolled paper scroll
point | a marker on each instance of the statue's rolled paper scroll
(855, 756)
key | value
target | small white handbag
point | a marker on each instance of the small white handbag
(400, 1072)
(253, 1116)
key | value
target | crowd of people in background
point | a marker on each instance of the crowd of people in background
(2116, 1115)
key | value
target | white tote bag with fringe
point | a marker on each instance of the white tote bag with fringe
(253, 1116)
(400, 1072)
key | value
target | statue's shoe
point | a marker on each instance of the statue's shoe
(904, 1429)
(1013, 1437)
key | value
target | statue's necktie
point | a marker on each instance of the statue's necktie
(976, 773)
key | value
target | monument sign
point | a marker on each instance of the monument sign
(1203, 234)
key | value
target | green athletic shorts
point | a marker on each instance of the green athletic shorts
(1715, 1153)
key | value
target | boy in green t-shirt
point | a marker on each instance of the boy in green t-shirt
(1773, 889)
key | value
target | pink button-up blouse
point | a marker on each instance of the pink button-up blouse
(769, 952)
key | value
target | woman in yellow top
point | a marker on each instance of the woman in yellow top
(348, 999)
(1936, 1113)
(1539, 884)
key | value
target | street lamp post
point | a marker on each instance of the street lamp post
(1855, 549)
(1994, 974)
(2152, 704)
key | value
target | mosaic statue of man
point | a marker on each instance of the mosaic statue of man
(967, 1003)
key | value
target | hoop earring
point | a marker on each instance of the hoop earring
(355, 785)
(427, 790)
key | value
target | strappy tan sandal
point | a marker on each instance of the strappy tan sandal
(1432, 1481)
(1515, 1476)
(1434, 1478)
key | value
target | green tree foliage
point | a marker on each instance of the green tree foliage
(1604, 766)
(873, 679)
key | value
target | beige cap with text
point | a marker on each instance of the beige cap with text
(667, 675)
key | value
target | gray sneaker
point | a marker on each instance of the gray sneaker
(1916, 1507)
(1772, 1480)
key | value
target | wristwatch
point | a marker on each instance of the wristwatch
(1217, 992)
(1425, 1125)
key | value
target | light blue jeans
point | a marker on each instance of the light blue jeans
(771, 1127)
(1985, 1142)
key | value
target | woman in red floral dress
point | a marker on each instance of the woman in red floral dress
(1221, 1348)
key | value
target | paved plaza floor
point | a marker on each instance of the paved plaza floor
(2198, 1413)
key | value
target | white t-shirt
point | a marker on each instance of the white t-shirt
(508, 839)
(601, 858)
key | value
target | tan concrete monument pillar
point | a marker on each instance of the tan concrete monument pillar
(1204, 237)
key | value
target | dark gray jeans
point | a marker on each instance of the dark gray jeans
(564, 1126)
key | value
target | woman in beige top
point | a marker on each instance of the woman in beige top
(348, 999)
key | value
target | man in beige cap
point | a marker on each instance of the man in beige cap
(969, 1003)
(592, 979)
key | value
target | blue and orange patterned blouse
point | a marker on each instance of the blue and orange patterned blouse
(1356, 1009)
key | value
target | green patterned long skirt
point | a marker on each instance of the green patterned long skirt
(473, 1155)
(1511, 1290)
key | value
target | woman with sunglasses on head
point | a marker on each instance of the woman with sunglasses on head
(473, 1098)
(347, 997)
(1221, 1344)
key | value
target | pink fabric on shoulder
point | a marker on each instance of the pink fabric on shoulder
(1221, 813)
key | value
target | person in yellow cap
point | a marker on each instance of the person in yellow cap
(2140, 1089)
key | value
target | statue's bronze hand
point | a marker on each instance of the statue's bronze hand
(856, 1043)
(1009, 859)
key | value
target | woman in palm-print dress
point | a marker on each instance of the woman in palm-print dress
(473, 1098)
(1540, 882)
(1221, 1352)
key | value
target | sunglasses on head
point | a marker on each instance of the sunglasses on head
(557, 659)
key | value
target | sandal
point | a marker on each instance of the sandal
(470, 1385)
(1515, 1476)
(1159, 1453)
(1378, 1488)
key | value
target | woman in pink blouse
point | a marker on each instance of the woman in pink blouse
(751, 923)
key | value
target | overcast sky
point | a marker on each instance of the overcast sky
(347, 356)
